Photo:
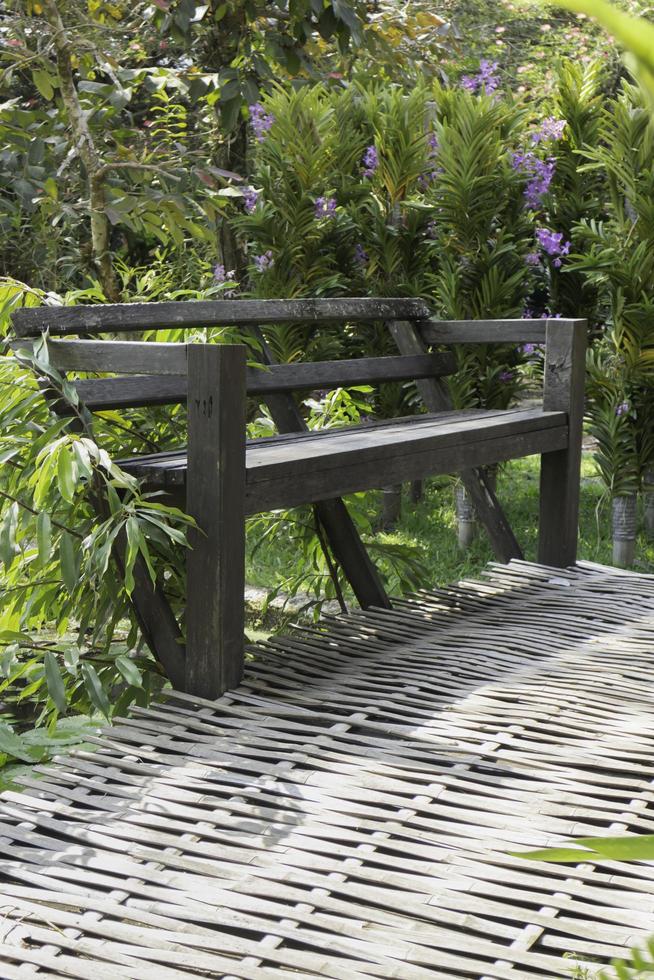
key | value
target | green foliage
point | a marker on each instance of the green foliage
(633, 847)
(479, 235)
(577, 193)
(618, 260)
(634, 34)
(65, 628)
(308, 567)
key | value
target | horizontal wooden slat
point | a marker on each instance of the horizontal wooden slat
(113, 356)
(101, 394)
(361, 473)
(143, 358)
(483, 331)
(125, 317)
(326, 374)
(284, 472)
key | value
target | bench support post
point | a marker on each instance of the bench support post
(436, 398)
(563, 391)
(215, 498)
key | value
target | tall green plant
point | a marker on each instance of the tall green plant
(480, 233)
(619, 261)
(576, 193)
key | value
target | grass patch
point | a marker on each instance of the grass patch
(431, 527)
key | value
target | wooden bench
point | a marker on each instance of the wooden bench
(220, 477)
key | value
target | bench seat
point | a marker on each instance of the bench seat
(288, 470)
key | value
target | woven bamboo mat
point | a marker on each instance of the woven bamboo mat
(349, 810)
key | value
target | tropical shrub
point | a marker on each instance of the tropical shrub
(619, 262)
(576, 193)
(68, 640)
(480, 232)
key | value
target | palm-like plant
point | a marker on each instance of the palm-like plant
(481, 234)
(576, 193)
(619, 261)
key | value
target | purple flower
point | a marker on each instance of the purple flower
(431, 230)
(424, 180)
(370, 161)
(260, 120)
(532, 258)
(539, 184)
(432, 143)
(250, 198)
(550, 129)
(325, 207)
(540, 173)
(527, 349)
(486, 78)
(622, 408)
(507, 376)
(221, 277)
(552, 244)
(263, 262)
(360, 255)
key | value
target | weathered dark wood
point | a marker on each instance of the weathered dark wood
(126, 317)
(156, 621)
(333, 448)
(342, 534)
(223, 481)
(155, 359)
(436, 397)
(214, 498)
(314, 465)
(482, 331)
(282, 486)
(362, 370)
(565, 373)
(102, 394)
(117, 357)
(167, 469)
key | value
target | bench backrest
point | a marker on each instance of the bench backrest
(151, 373)
(156, 373)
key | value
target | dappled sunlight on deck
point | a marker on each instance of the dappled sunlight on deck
(350, 809)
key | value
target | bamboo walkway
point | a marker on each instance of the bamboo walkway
(349, 811)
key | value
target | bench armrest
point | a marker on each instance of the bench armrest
(483, 331)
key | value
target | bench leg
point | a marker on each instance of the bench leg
(215, 497)
(565, 360)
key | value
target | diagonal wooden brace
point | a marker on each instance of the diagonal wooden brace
(437, 398)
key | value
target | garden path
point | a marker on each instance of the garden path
(349, 811)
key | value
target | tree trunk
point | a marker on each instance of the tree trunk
(391, 507)
(623, 512)
(465, 511)
(466, 517)
(417, 491)
(84, 145)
